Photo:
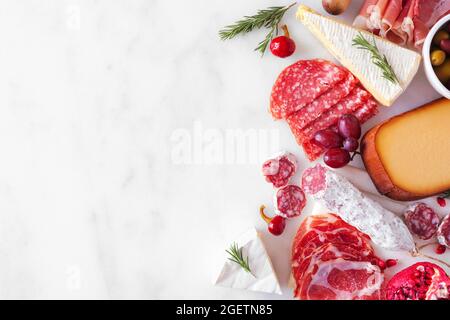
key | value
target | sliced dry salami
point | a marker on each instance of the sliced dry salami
(280, 169)
(367, 111)
(311, 112)
(443, 233)
(349, 104)
(421, 220)
(289, 201)
(314, 179)
(301, 83)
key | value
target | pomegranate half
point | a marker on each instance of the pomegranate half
(421, 281)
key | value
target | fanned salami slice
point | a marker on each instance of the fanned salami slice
(421, 220)
(367, 111)
(301, 83)
(349, 104)
(289, 201)
(443, 233)
(311, 112)
(280, 169)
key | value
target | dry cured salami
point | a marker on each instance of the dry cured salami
(301, 83)
(421, 220)
(289, 201)
(313, 179)
(327, 100)
(443, 233)
(280, 169)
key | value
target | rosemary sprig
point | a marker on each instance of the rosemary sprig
(377, 58)
(236, 256)
(268, 18)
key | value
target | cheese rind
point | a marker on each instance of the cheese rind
(338, 37)
(414, 149)
(263, 279)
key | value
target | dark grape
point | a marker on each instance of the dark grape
(336, 158)
(351, 144)
(328, 139)
(349, 127)
(445, 45)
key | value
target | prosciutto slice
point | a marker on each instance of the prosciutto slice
(405, 22)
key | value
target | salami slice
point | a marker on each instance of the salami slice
(421, 220)
(443, 233)
(301, 83)
(313, 179)
(327, 100)
(280, 169)
(349, 104)
(289, 201)
(367, 111)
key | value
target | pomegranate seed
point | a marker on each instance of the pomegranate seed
(440, 249)
(391, 262)
(441, 201)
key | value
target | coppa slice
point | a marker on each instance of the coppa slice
(338, 37)
(301, 83)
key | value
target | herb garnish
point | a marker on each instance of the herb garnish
(236, 256)
(377, 58)
(268, 18)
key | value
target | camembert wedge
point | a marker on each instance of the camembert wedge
(338, 38)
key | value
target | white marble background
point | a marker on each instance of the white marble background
(101, 195)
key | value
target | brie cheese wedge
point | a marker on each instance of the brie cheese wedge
(338, 38)
(264, 279)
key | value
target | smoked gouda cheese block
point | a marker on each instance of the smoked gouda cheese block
(408, 156)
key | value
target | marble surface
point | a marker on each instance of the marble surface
(131, 141)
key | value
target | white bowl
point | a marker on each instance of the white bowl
(431, 75)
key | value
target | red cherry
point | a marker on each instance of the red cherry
(441, 201)
(391, 262)
(277, 225)
(282, 46)
(440, 249)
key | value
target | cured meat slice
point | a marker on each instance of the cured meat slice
(443, 233)
(318, 230)
(341, 279)
(329, 99)
(367, 111)
(301, 83)
(422, 220)
(362, 20)
(289, 201)
(313, 179)
(280, 169)
(377, 13)
(430, 11)
(393, 10)
(349, 104)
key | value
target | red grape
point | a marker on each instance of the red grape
(351, 144)
(336, 158)
(328, 139)
(349, 127)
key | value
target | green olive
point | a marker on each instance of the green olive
(440, 35)
(443, 71)
(437, 57)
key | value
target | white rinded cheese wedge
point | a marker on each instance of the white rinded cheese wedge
(233, 276)
(338, 38)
